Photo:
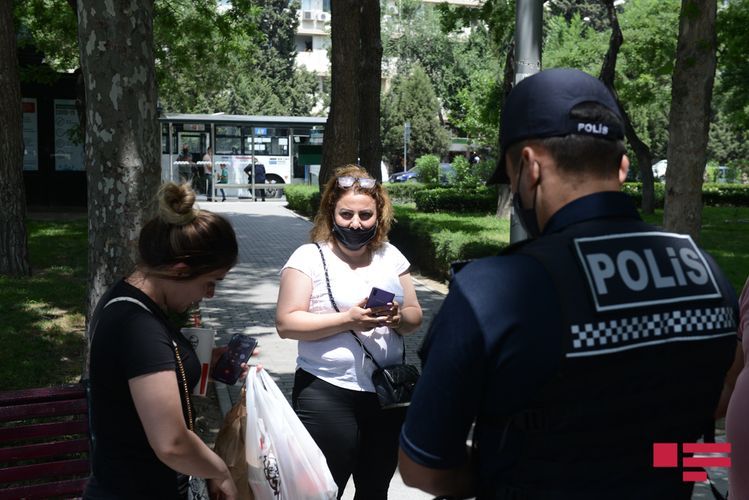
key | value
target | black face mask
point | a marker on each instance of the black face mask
(527, 216)
(353, 239)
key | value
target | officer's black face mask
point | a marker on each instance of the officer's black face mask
(353, 239)
(527, 216)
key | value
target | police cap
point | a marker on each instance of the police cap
(540, 105)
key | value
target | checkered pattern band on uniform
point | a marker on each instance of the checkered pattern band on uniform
(604, 337)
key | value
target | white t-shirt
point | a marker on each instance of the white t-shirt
(339, 359)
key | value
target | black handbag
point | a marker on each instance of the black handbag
(394, 384)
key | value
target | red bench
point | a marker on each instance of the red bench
(44, 442)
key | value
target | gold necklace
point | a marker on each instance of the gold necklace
(184, 385)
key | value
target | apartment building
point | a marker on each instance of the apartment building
(313, 36)
(313, 33)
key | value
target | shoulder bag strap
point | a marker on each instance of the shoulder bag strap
(180, 366)
(335, 306)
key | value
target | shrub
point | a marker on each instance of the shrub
(303, 199)
(634, 189)
(718, 195)
(429, 169)
(431, 242)
(472, 176)
(403, 192)
(713, 195)
(464, 177)
(483, 200)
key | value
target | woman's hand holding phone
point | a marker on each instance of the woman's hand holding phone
(361, 317)
(230, 362)
(383, 307)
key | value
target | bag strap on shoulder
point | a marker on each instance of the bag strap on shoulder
(335, 306)
(178, 358)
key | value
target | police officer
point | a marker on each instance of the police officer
(577, 350)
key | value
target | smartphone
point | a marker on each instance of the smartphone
(379, 298)
(229, 366)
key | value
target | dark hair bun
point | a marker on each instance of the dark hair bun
(176, 204)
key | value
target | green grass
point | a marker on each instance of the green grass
(434, 240)
(725, 235)
(43, 315)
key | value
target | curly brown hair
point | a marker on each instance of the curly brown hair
(322, 230)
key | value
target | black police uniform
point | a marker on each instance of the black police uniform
(626, 343)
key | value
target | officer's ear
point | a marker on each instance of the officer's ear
(623, 169)
(534, 155)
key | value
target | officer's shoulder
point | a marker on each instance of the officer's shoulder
(498, 267)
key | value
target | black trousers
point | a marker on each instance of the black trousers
(355, 435)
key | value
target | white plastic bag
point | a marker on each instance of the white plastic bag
(284, 461)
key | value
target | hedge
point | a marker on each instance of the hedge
(431, 242)
(482, 200)
(303, 199)
(306, 199)
(403, 192)
(713, 194)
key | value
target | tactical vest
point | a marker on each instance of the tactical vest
(648, 338)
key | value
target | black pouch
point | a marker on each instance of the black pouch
(395, 385)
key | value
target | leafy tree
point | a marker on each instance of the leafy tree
(477, 113)
(412, 99)
(14, 254)
(645, 62)
(689, 119)
(733, 64)
(459, 64)
(278, 22)
(49, 26)
(571, 42)
(499, 19)
(243, 63)
(412, 35)
(202, 53)
(729, 143)
(592, 11)
(207, 59)
(650, 29)
(429, 169)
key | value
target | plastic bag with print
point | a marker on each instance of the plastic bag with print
(284, 461)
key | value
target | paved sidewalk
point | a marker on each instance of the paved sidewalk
(245, 301)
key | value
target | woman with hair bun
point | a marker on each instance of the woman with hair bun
(142, 369)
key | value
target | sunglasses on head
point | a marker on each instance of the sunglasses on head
(346, 181)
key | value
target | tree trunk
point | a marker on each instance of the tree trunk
(689, 120)
(341, 142)
(14, 253)
(644, 160)
(608, 74)
(122, 134)
(504, 200)
(370, 145)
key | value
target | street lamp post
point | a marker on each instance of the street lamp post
(528, 15)
(406, 138)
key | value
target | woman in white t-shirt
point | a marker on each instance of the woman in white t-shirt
(333, 392)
